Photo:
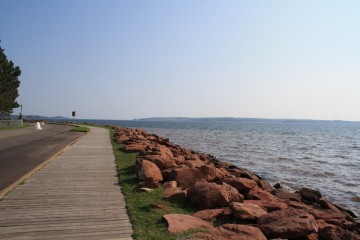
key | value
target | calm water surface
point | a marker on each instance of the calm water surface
(321, 156)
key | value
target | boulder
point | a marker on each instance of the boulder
(328, 215)
(186, 177)
(243, 173)
(284, 194)
(257, 193)
(288, 223)
(328, 205)
(135, 147)
(265, 185)
(247, 211)
(210, 214)
(329, 231)
(310, 194)
(148, 172)
(210, 195)
(220, 174)
(269, 206)
(241, 184)
(122, 139)
(163, 150)
(194, 163)
(240, 232)
(170, 184)
(331, 217)
(162, 162)
(178, 223)
(233, 195)
(209, 172)
(175, 195)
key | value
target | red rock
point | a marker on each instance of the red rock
(135, 147)
(233, 195)
(328, 205)
(269, 206)
(179, 159)
(313, 236)
(241, 184)
(329, 231)
(247, 211)
(210, 195)
(241, 232)
(258, 194)
(122, 139)
(220, 174)
(210, 214)
(209, 172)
(243, 173)
(170, 184)
(185, 176)
(288, 223)
(330, 216)
(148, 172)
(284, 194)
(194, 163)
(300, 205)
(180, 223)
(265, 185)
(162, 162)
(164, 151)
(175, 195)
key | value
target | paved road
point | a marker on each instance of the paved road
(22, 150)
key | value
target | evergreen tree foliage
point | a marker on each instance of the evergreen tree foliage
(9, 84)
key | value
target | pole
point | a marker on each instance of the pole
(73, 115)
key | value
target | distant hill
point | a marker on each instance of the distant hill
(38, 117)
(240, 120)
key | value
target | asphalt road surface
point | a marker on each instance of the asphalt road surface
(21, 150)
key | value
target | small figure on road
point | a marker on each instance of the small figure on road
(38, 126)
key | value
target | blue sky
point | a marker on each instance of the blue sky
(131, 59)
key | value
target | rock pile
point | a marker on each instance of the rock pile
(228, 194)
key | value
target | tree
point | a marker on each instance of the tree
(9, 84)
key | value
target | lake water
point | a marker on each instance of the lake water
(324, 156)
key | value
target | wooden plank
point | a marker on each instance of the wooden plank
(76, 196)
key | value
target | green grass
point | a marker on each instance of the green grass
(11, 128)
(147, 222)
(80, 129)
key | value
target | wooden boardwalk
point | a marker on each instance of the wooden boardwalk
(76, 196)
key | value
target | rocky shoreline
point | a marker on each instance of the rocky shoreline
(233, 203)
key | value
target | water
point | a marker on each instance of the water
(324, 156)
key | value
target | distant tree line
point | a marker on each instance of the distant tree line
(9, 84)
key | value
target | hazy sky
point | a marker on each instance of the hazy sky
(131, 59)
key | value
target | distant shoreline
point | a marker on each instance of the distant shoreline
(205, 120)
(241, 120)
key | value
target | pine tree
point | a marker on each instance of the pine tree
(9, 84)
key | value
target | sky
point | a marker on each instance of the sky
(134, 59)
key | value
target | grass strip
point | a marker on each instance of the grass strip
(80, 129)
(11, 128)
(147, 222)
